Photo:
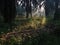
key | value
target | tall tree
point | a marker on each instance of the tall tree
(56, 16)
(35, 3)
(28, 8)
(9, 10)
(47, 6)
(2, 7)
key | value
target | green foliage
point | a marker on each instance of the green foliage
(42, 39)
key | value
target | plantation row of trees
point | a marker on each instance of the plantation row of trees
(8, 8)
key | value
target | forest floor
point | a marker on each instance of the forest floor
(33, 31)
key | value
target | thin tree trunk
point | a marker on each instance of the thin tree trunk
(56, 9)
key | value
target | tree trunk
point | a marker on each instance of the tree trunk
(47, 7)
(9, 11)
(56, 15)
(28, 8)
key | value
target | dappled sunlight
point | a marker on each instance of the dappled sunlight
(42, 9)
(29, 22)
(43, 21)
(32, 23)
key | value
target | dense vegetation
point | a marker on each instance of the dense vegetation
(19, 29)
